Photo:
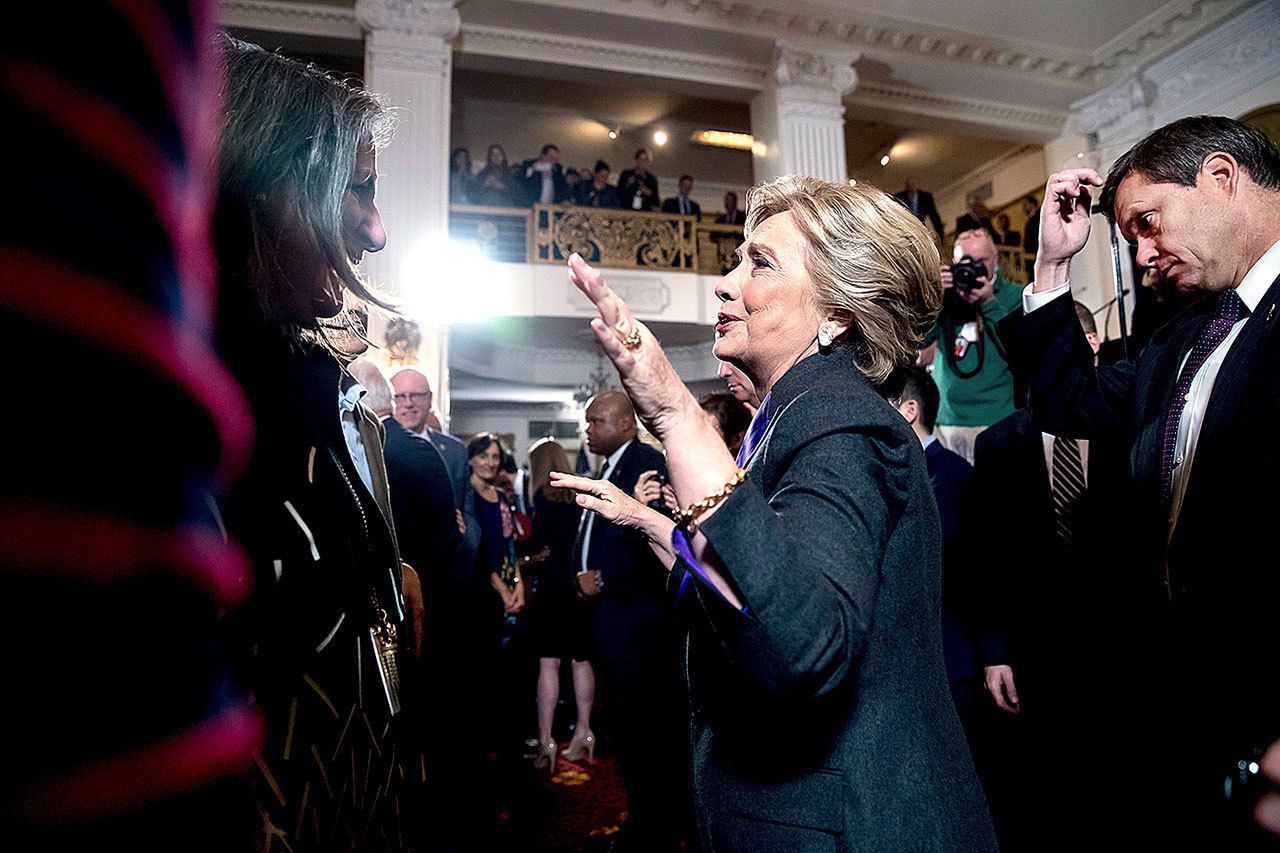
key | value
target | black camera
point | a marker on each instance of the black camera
(965, 274)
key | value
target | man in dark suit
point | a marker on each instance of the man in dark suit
(950, 474)
(681, 204)
(430, 540)
(921, 204)
(732, 215)
(1197, 413)
(543, 177)
(638, 187)
(1058, 564)
(412, 397)
(636, 639)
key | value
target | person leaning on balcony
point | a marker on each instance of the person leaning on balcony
(638, 187)
(682, 204)
(543, 178)
(732, 215)
(600, 193)
(494, 184)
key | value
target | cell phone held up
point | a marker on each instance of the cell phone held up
(658, 504)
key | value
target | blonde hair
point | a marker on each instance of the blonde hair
(869, 259)
(544, 457)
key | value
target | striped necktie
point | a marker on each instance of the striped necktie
(1068, 485)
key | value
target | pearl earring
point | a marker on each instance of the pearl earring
(825, 335)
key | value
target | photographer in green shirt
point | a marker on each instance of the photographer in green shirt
(969, 364)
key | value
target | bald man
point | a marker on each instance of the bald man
(974, 381)
(635, 637)
(412, 398)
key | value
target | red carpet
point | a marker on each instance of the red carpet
(582, 804)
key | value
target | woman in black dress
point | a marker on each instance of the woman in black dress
(559, 626)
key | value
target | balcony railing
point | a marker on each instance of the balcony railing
(622, 239)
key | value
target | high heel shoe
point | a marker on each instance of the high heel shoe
(546, 757)
(583, 741)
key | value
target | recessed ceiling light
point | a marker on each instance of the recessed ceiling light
(884, 161)
(1079, 155)
(659, 137)
(613, 134)
(853, 182)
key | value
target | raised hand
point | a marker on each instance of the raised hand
(1064, 224)
(659, 396)
(603, 498)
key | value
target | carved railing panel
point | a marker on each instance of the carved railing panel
(621, 239)
(717, 248)
(613, 238)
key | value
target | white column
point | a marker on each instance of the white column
(798, 119)
(409, 61)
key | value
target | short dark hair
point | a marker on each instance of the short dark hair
(1086, 318)
(550, 146)
(731, 415)
(732, 193)
(640, 151)
(918, 385)
(600, 164)
(688, 178)
(1174, 154)
(480, 443)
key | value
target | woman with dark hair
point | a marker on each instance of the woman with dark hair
(806, 570)
(495, 185)
(559, 624)
(462, 183)
(497, 556)
(321, 637)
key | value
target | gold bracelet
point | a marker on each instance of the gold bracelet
(685, 517)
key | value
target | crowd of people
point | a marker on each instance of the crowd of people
(927, 576)
(545, 180)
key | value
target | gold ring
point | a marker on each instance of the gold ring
(631, 340)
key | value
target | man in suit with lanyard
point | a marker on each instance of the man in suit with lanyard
(1197, 412)
(636, 639)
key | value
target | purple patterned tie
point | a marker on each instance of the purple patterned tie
(1225, 316)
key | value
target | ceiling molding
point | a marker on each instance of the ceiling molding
(1028, 121)
(506, 42)
(874, 36)
(277, 16)
(1165, 29)
(510, 43)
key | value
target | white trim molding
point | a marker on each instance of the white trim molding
(511, 43)
(873, 35)
(311, 19)
(1027, 121)
(1173, 23)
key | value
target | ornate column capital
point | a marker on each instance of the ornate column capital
(430, 18)
(819, 70)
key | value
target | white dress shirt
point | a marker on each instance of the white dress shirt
(1251, 289)
(349, 393)
(611, 465)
